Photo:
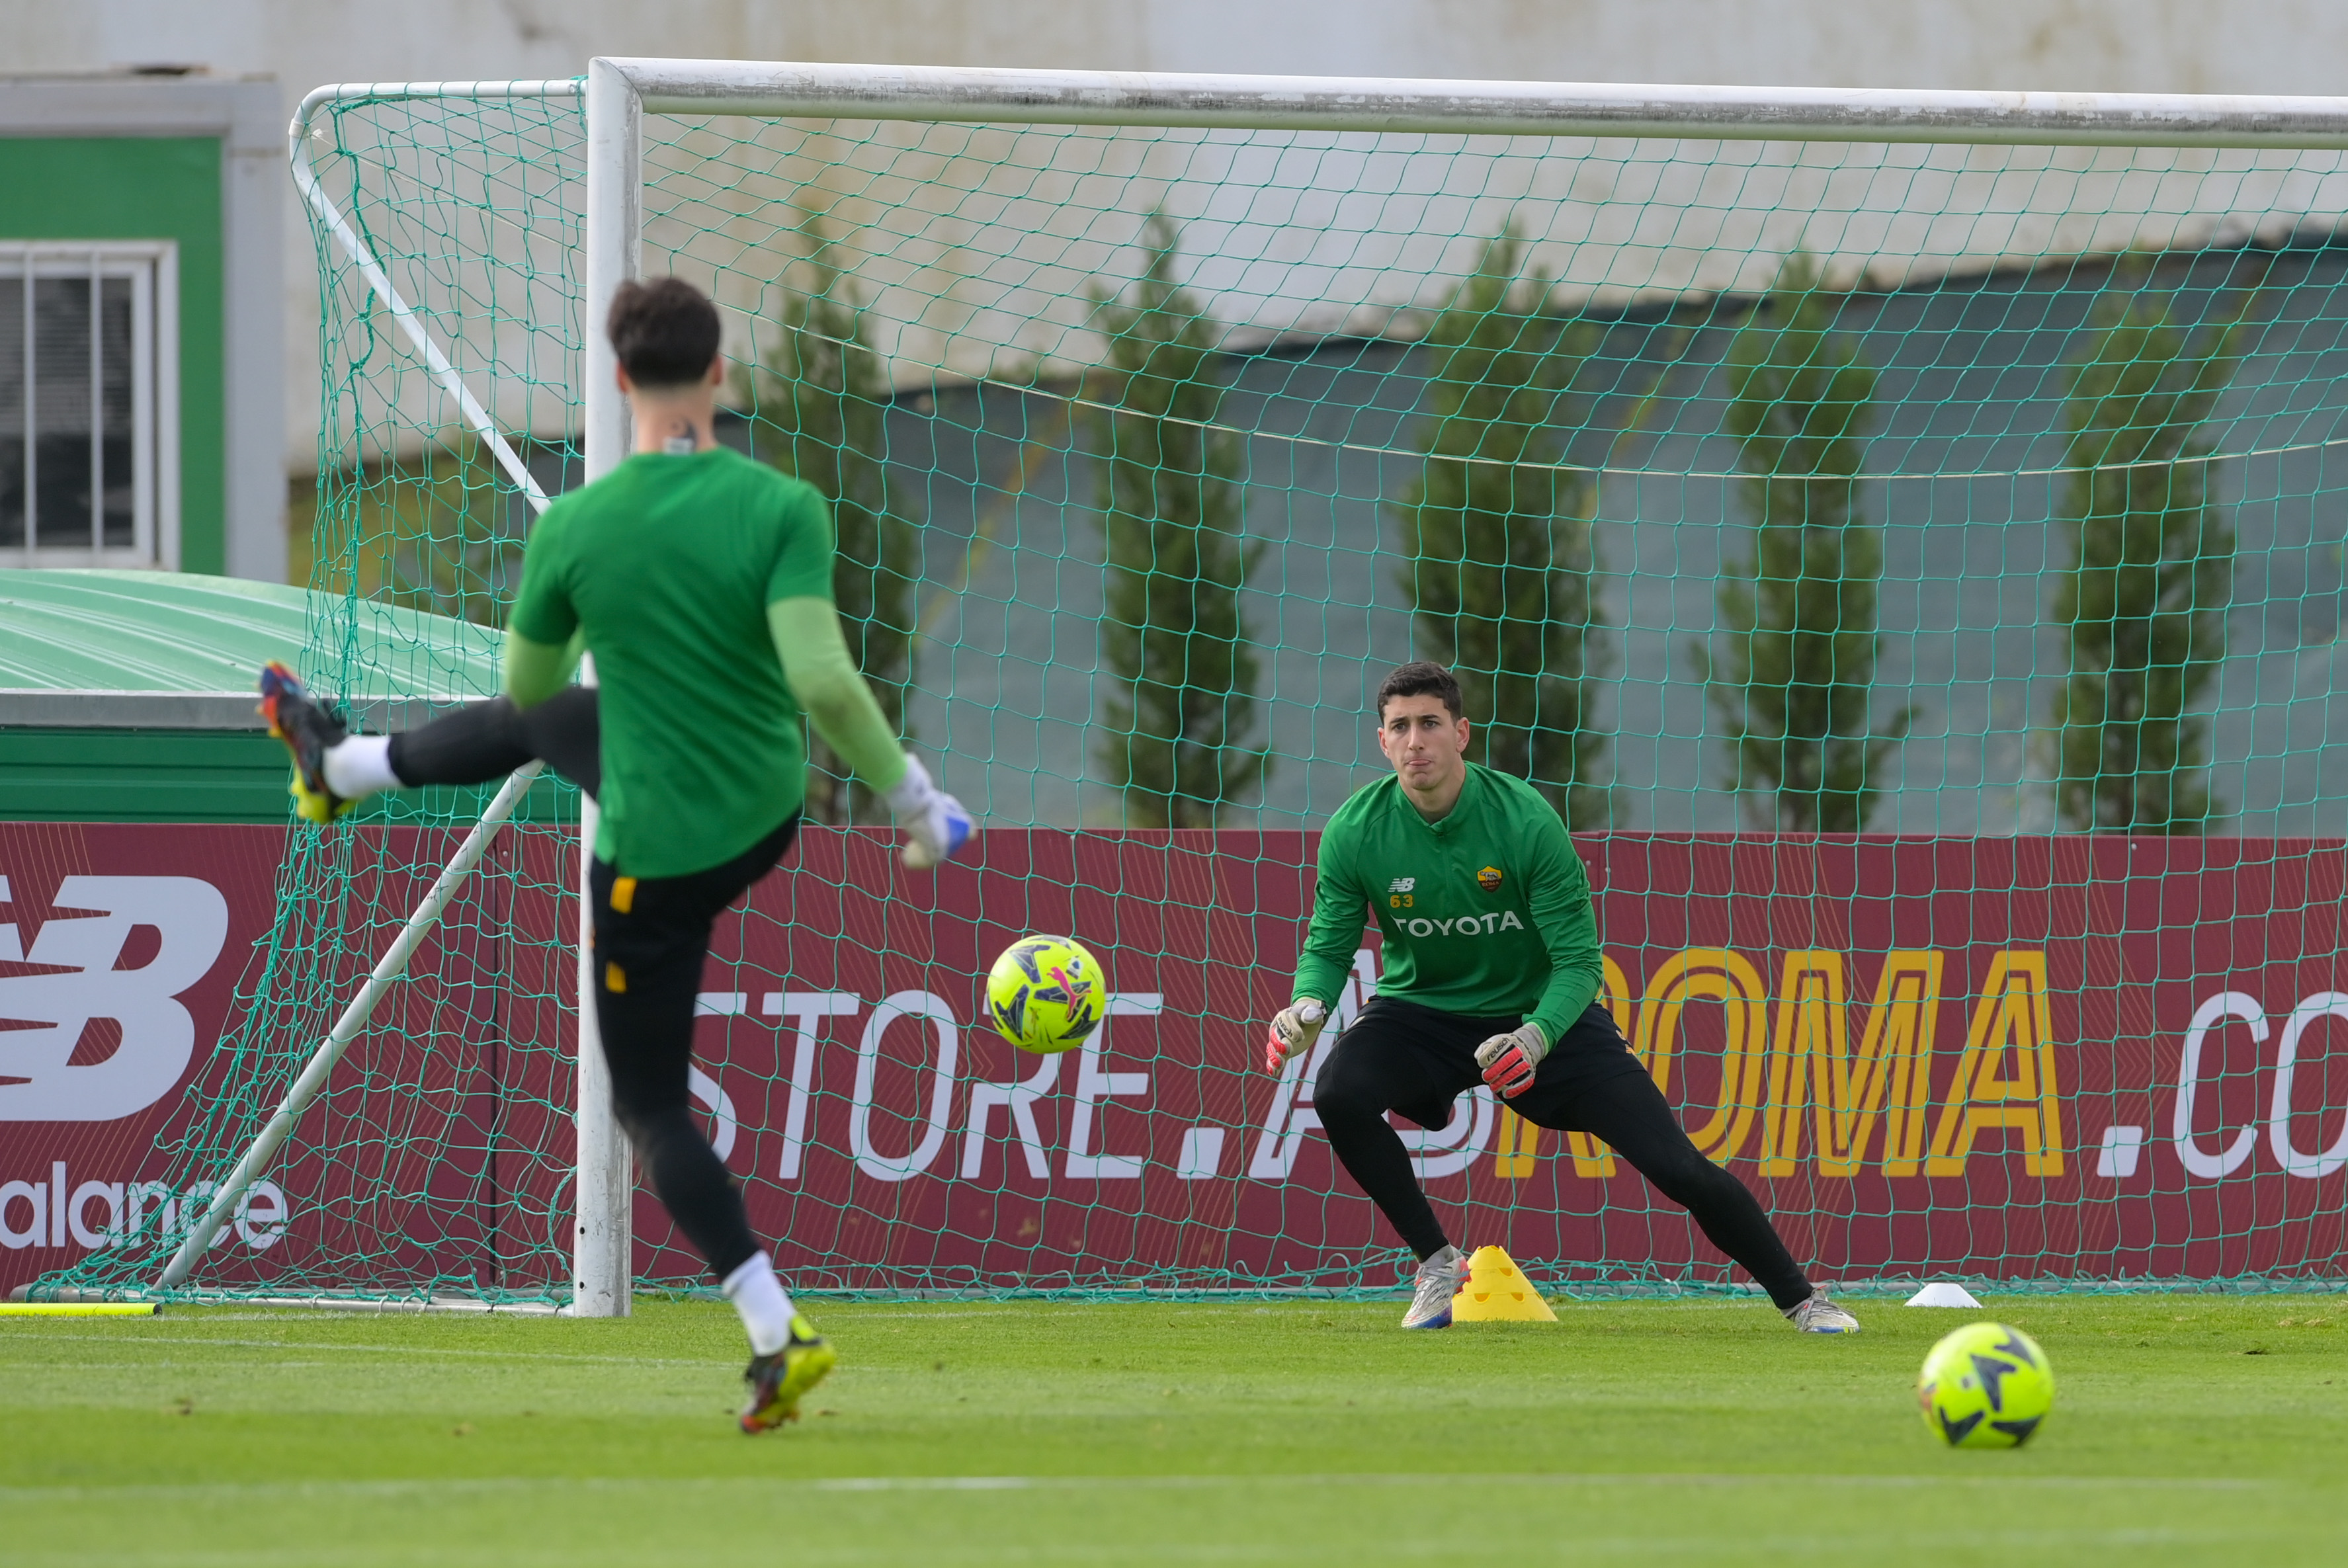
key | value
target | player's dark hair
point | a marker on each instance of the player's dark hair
(1421, 680)
(664, 331)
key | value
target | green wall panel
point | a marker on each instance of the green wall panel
(199, 776)
(140, 776)
(147, 188)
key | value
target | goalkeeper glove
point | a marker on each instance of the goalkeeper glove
(1510, 1060)
(936, 826)
(1293, 1028)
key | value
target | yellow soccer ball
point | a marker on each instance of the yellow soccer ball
(1986, 1385)
(1047, 994)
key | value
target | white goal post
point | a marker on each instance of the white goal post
(618, 93)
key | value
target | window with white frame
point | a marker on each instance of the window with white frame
(88, 369)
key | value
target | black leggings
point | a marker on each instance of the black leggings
(652, 938)
(1401, 1056)
(486, 741)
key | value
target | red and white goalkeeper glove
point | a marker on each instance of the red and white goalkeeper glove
(1510, 1060)
(1293, 1028)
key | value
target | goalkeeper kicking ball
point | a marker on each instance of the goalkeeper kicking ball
(1047, 994)
(1985, 1387)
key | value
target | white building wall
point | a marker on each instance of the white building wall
(2187, 46)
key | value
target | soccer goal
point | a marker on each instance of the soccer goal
(1900, 530)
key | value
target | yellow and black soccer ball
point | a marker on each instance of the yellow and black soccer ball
(1047, 994)
(1987, 1385)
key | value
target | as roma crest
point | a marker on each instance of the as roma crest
(1488, 879)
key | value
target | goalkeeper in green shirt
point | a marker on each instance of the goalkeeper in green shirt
(701, 582)
(1492, 973)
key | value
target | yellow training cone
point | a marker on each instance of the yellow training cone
(1497, 1292)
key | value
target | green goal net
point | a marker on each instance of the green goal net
(1913, 567)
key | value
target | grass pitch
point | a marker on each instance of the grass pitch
(2187, 1429)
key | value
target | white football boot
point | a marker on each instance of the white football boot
(1820, 1315)
(1439, 1279)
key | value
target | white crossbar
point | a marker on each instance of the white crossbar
(1506, 109)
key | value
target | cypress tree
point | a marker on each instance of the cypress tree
(821, 401)
(1497, 531)
(1169, 507)
(2143, 601)
(1793, 681)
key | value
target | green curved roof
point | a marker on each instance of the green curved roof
(145, 649)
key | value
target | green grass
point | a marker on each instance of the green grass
(2186, 1430)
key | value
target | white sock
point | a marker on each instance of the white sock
(765, 1305)
(360, 766)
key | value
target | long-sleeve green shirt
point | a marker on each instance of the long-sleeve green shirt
(1485, 912)
(702, 583)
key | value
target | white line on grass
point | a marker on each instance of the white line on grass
(399, 1489)
(881, 1312)
(192, 1342)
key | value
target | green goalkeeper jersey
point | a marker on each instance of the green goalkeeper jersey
(668, 565)
(1485, 913)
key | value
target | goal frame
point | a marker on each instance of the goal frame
(619, 92)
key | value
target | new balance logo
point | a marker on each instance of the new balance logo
(1402, 884)
(45, 1014)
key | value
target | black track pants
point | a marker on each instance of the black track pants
(1401, 1056)
(652, 938)
(484, 741)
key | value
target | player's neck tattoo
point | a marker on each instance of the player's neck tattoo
(683, 438)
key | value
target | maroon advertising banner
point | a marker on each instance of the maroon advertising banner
(120, 948)
(2033, 1059)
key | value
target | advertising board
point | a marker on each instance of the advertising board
(2029, 1059)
